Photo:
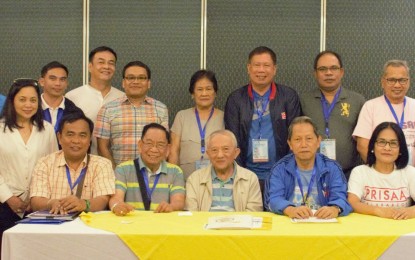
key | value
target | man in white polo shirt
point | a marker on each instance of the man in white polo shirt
(99, 91)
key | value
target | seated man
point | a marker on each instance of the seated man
(71, 180)
(306, 180)
(223, 185)
(149, 182)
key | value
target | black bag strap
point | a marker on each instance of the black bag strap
(143, 188)
(80, 185)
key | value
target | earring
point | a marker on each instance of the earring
(372, 151)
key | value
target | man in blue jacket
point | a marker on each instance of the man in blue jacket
(306, 183)
(259, 114)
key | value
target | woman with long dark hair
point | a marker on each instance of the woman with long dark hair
(24, 138)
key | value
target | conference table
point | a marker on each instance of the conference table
(148, 235)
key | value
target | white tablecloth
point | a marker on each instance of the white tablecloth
(72, 240)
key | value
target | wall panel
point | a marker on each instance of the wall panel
(367, 34)
(290, 28)
(163, 34)
(34, 33)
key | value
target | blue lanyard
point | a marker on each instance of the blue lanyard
(394, 113)
(68, 176)
(264, 107)
(202, 131)
(47, 116)
(328, 109)
(149, 192)
(300, 184)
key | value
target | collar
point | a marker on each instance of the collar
(272, 95)
(46, 106)
(147, 100)
(321, 169)
(344, 94)
(62, 162)
(162, 168)
(97, 92)
(215, 176)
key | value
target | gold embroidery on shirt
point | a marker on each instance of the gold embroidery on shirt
(345, 108)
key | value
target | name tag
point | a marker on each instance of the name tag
(260, 150)
(328, 148)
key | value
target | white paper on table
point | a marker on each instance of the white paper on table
(314, 220)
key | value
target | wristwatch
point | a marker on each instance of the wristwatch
(338, 208)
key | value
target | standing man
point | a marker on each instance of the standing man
(334, 109)
(99, 91)
(259, 114)
(54, 81)
(392, 106)
(119, 123)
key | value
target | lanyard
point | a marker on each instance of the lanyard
(261, 112)
(202, 131)
(394, 113)
(300, 184)
(47, 116)
(149, 192)
(68, 176)
(328, 109)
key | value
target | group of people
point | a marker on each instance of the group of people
(99, 148)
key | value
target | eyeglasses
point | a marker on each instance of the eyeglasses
(133, 78)
(383, 143)
(26, 82)
(148, 145)
(325, 69)
(392, 81)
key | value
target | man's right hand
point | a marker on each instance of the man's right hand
(16, 204)
(122, 208)
(300, 212)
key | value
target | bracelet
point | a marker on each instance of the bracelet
(113, 206)
(88, 205)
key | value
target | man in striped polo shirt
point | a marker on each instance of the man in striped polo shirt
(223, 185)
(149, 182)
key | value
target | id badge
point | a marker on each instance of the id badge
(202, 163)
(260, 150)
(328, 148)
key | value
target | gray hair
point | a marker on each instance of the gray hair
(222, 132)
(301, 120)
(395, 63)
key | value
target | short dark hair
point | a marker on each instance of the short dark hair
(302, 120)
(403, 158)
(339, 58)
(53, 65)
(261, 50)
(101, 49)
(155, 126)
(200, 74)
(75, 116)
(137, 63)
(9, 111)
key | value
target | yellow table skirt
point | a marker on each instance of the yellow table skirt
(167, 235)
